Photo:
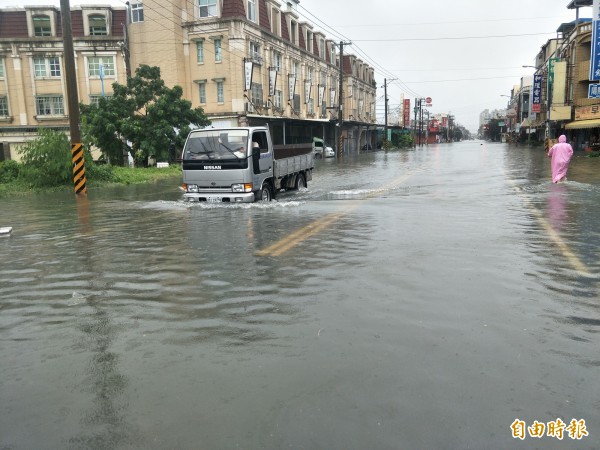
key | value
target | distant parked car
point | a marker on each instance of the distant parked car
(321, 149)
(328, 152)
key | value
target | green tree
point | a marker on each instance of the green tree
(46, 161)
(145, 112)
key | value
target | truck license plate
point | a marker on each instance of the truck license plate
(214, 199)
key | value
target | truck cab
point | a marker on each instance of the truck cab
(227, 164)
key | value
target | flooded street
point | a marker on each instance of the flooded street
(418, 299)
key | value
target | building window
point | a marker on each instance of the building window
(202, 91)
(275, 22)
(1, 68)
(220, 92)
(277, 60)
(295, 68)
(47, 105)
(278, 100)
(218, 53)
(257, 94)
(54, 64)
(107, 63)
(309, 41)
(294, 33)
(322, 48)
(3, 106)
(44, 66)
(97, 25)
(252, 10)
(255, 53)
(208, 8)
(95, 99)
(137, 12)
(42, 26)
(200, 52)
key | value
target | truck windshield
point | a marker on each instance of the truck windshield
(216, 144)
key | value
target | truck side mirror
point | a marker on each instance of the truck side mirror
(256, 159)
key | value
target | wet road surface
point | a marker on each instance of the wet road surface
(418, 299)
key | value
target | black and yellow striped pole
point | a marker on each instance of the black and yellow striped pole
(73, 100)
(78, 168)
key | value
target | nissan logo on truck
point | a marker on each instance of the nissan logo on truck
(212, 167)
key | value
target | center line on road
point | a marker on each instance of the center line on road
(292, 240)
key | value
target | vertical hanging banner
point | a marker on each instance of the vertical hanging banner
(536, 99)
(272, 80)
(291, 87)
(321, 94)
(595, 44)
(407, 112)
(307, 87)
(248, 66)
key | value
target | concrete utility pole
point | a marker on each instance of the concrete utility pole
(385, 101)
(72, 100)
(341, 100)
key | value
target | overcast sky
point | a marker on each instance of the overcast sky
(422, 45)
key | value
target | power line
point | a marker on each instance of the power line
(453, 38)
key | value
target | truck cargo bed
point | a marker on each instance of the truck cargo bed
(289, 150)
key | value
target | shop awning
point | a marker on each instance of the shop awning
(579, 124)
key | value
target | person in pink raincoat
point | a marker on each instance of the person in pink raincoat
(561, 154)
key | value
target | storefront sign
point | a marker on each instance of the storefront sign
(595, 52)
(587, 112)
(407, 112)
(594, 91)
(536, 105)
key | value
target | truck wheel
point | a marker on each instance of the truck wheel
(265, 194)
(300, 182)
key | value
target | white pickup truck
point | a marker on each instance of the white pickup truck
(241, 165)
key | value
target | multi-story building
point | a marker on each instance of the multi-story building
(245, 62)
(250, 62)
(33, 89)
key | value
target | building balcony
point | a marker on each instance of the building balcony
(582, 72)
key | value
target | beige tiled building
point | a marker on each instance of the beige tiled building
(245, 62)
(208, 46)
(33, 91)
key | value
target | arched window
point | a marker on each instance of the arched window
(97, 25)
(42, 26)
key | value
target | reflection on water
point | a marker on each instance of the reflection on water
(557, 206)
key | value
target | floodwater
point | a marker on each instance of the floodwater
(420, 299)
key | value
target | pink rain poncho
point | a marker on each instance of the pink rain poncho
(561, 154)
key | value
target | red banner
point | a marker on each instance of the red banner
(407, 112)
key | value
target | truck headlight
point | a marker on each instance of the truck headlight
(192, 188)
(246, 187)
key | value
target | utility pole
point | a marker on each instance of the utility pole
(421, 122)
(341, 102)
(72, 100)
(385, 99)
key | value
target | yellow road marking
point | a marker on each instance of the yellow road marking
(566, 251)
(292, 240)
